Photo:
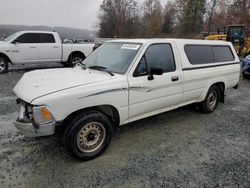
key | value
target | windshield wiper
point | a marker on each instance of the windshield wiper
(100, 68)
(83, 65)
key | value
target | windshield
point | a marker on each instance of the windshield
(236, 32)
(11, 37)
(115, 57)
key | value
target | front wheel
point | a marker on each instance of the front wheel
(211, 101)
(3, 65)
(88, 135)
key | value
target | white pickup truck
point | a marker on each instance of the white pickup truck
(40, 47)
(121, 82)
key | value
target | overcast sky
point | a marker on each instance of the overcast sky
(70, 13)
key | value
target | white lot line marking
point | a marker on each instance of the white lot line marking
(7, 98)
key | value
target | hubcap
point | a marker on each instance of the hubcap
(76, 60)
(91, 137)
(212, 100)
(2, 66)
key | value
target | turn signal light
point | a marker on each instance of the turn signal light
(46, 114)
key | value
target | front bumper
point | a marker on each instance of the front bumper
(246, 72)
(246, 67)
(28, 129)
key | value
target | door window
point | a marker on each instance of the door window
(157, 55)
(46, 38)
(28, 38)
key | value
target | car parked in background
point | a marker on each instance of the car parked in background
(40, 47)
(246, 67)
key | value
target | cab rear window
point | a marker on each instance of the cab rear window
(204, 54)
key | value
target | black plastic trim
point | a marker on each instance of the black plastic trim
(209, 66)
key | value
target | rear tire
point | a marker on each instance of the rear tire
(88, 135)
(74, 59)
(4, 66)
(211, 101)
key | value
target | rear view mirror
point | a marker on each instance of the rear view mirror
(155, 71)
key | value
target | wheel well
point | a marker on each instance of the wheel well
(76, 53)
(108, 110)
(5, 57)
(221, 86)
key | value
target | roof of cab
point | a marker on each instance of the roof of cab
(182, 41)
(36, 31)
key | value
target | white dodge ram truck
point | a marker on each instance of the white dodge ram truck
(39, 47)
(121, 82)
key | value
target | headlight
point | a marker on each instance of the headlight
(42, 115)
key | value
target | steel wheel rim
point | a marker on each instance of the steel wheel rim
(2, 66)
(91, 137)
(212, 100)
(76, 60)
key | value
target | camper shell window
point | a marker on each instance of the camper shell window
(205, 54)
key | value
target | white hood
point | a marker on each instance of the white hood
(44, 82)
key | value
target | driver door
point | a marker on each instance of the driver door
(24, 49)
(148, 97)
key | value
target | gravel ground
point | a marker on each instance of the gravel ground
(181, 148)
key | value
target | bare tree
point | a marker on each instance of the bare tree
(169, 17)
(211, 6)
(152, 18)
(117, 18)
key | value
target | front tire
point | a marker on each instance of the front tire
(211, 101)
(88, 135)
(3, 65)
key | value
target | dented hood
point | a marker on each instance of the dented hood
(40, 83)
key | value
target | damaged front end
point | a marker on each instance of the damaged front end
(34, 121)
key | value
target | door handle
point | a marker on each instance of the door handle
(175, 78)
(55, 46)
(32, 47)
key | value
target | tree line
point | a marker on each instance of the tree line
(179, 18)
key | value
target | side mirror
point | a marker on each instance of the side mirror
(155, 71)
(16, 41)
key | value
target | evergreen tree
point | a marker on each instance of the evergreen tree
(192, 17)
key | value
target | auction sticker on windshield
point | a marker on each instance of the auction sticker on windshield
(130, 46)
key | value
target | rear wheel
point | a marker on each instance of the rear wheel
(75, 59)
(88, 135)
(3, 65)
(211, 101)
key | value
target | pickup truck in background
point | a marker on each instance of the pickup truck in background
(40, 47)
(120, 82)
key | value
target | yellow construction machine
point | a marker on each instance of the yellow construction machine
(237, 35)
